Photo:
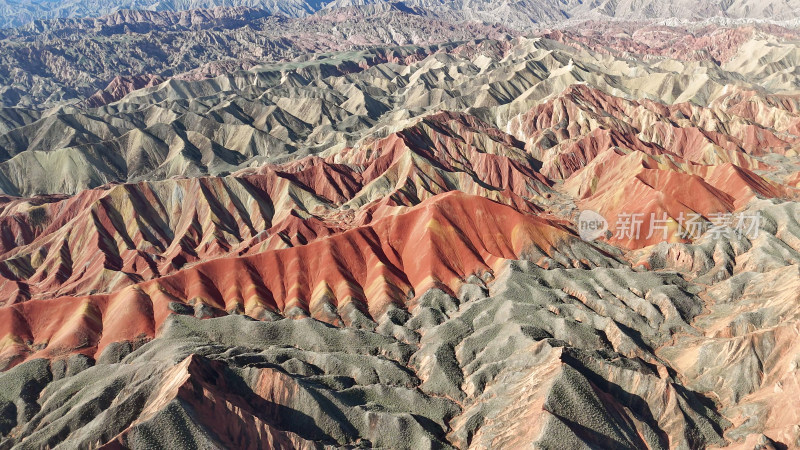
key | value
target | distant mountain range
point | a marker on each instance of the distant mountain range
(16, 13)
(519, 14)
(60, 61)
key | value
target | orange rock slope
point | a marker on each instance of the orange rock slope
(359, 272)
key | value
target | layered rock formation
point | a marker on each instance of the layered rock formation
(63, 61)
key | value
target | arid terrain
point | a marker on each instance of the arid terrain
(363, 225)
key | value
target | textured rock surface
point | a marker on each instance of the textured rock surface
(438, 375)
(525, 87)
(63, 61)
